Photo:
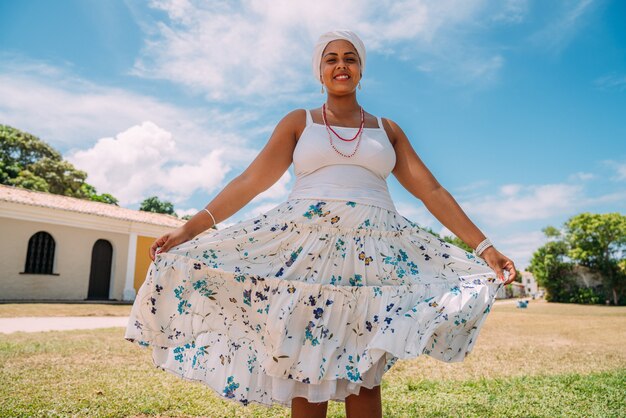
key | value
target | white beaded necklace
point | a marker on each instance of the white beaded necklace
(358, 135)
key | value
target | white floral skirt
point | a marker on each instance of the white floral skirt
(313, 298)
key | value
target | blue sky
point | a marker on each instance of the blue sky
(517, 106)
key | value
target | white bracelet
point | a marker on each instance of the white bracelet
(483, 246)
(212, 217)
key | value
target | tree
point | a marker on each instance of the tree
(90, 191)
(458, 242)
(553, 271)
(153, 204)
(28, 162)
(595, 241)
(598, 241)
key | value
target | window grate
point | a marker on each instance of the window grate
(40, 256)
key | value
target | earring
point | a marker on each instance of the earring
(359, 85)
(322, 89)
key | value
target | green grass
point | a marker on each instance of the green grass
(549, 360)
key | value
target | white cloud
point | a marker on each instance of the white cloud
(582, 176)
(278, 190)
(510, 11)
(417, 213)
(129, 144)
(67, 111)
(611, 81)
(257, 49)
(562, 29)
(185, 212)
(520, 247)
(517, 203)
(621, 171)
(445, 232)
(510, 189)
(134, 165)
(260, 209)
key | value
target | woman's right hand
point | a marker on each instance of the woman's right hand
(169, 240)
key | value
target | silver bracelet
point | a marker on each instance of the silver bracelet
(212, 217)
(482, 246)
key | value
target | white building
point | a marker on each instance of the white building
(57, 247)
(529, 282)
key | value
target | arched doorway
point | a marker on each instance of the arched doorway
(100, 275)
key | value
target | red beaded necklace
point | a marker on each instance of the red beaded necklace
(329, 129)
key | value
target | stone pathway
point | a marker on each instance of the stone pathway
(59, 323)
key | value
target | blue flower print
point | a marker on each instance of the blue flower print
(315, 210)
(293, 257)
(356, 280)
(308, 334)
(352, 371)
(184, 303)
(231, 386)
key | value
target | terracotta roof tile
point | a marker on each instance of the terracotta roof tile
(49, 200)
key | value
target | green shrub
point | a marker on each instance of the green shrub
(586, 295)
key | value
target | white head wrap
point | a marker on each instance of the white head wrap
(327, 37)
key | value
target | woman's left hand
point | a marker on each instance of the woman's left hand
(499, 262)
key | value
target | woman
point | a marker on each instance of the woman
(318, 297)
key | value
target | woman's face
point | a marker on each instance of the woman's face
(340, 67)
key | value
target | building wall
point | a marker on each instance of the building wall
(530, 283)
(72, 261)
(142, 259)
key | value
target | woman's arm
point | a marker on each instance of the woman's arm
(266, 169)
(413, 174)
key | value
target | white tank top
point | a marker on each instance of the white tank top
(321, 173)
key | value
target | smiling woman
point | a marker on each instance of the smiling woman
(316, 298)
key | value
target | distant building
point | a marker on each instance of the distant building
(586, 277)
(527, 287)
(59, 247)
(530, 284)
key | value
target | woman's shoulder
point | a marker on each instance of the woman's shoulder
(296, 116)
(391, 129)
(294, 121)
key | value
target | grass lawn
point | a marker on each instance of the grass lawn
(544, 361)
